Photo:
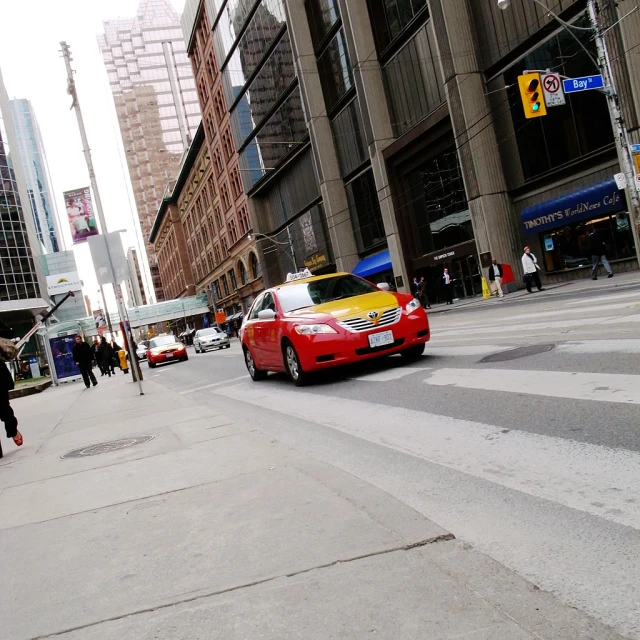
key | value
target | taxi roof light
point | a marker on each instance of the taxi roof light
(300, 275)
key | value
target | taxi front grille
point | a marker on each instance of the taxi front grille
(388, 317)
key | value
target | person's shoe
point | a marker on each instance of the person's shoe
(542, 289)
(18, 439)
(610, 275)
(88, 387)
(95, 384)
(594, 278)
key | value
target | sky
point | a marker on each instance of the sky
(33, 68)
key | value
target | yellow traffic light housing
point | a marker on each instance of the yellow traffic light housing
(532, 96)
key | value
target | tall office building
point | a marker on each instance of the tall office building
(156, 103)
(36, 174)
(22, 282)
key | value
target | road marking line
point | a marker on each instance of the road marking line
(600, 387)
(470, 350)
(591, 478)
(214, 384)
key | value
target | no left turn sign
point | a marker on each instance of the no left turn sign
(552, 90)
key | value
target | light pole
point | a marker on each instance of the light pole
(623, 146)
(122, 312)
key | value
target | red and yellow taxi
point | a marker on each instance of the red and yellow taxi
(316, 322)
(166, 348)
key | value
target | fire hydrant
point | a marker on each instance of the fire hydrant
(122, 356)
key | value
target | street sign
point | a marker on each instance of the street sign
(583, 84)
(621, 180)
(635, 148)
(552, 90)
(637, 181)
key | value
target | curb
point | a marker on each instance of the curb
(29, 391)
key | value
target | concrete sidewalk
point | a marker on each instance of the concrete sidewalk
(148, 517)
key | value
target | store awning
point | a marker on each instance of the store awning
(373, 264)
(599, 199)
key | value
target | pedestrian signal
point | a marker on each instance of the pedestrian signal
(532, 96)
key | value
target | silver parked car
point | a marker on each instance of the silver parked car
(212, 338)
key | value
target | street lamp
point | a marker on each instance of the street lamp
(623, 146)
(261, 237)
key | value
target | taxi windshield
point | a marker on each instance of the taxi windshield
(163, 341)
(309, 294)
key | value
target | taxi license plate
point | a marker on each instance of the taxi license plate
(169, 355)
(381, 339)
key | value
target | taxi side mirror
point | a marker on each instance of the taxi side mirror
(384, 286)
(266, 314)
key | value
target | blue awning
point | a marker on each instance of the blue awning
(584, 204)
(373, 264)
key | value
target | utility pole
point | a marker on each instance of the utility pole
(71, 90)
(623, 145)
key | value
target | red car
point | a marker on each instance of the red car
(165, 349)
(313, 323)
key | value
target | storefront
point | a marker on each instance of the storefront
(562, 227)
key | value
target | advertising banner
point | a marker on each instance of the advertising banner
(81, 216)
(63, 357)
(63, 282)
(100, 258)
(101, 321)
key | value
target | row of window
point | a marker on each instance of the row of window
(227, 284)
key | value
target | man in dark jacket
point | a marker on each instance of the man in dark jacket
(495, 278)
(598, 254)
(83, 357)
(105, 357)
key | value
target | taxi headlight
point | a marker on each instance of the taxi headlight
(412, 305)
(313, 329)
(155, 352)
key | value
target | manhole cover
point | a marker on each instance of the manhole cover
(520, 352)
(107, 447)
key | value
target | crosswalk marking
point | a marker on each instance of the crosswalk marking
(601, 346)
(591, 301)
(387, 375)
(596, 481)
(601, 387)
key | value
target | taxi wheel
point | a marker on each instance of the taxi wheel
(294, 368)
(152, 366)
(413, 353)
(255, 373)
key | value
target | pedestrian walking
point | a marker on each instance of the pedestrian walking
(115, 356)
(83, 357)
(598, 254)
(415, 287)
(495, 278)
(423, 296)
(8, 352)
(105, 357)
(448, 287)
(531, 268)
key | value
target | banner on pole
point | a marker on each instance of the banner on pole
(100, 258)
(82, 219)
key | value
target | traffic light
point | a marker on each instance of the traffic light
(532, 96)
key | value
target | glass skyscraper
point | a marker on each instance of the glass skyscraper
(21, 272)
(36, 174)
(156, 103)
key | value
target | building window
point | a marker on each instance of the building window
(242, 270)
(218, 217)
(233, 231)
(216, 289)
(225, 286)
(225, 247)
(566, 133)
(365, 212)
(349, 139)
(232, 279)
(236, 183)
(219, 105)
(224, 194)
(322, 15)
(253, 266)
(216, 254)
(217, 161)
(227, 144)
(212, 188)
(391, 17)
(243, 216)
(334, 66)
(440, 207)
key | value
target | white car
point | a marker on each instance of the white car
(212, 338)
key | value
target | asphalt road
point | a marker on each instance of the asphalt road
(532, 456)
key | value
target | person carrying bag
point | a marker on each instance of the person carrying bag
(531, 270)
